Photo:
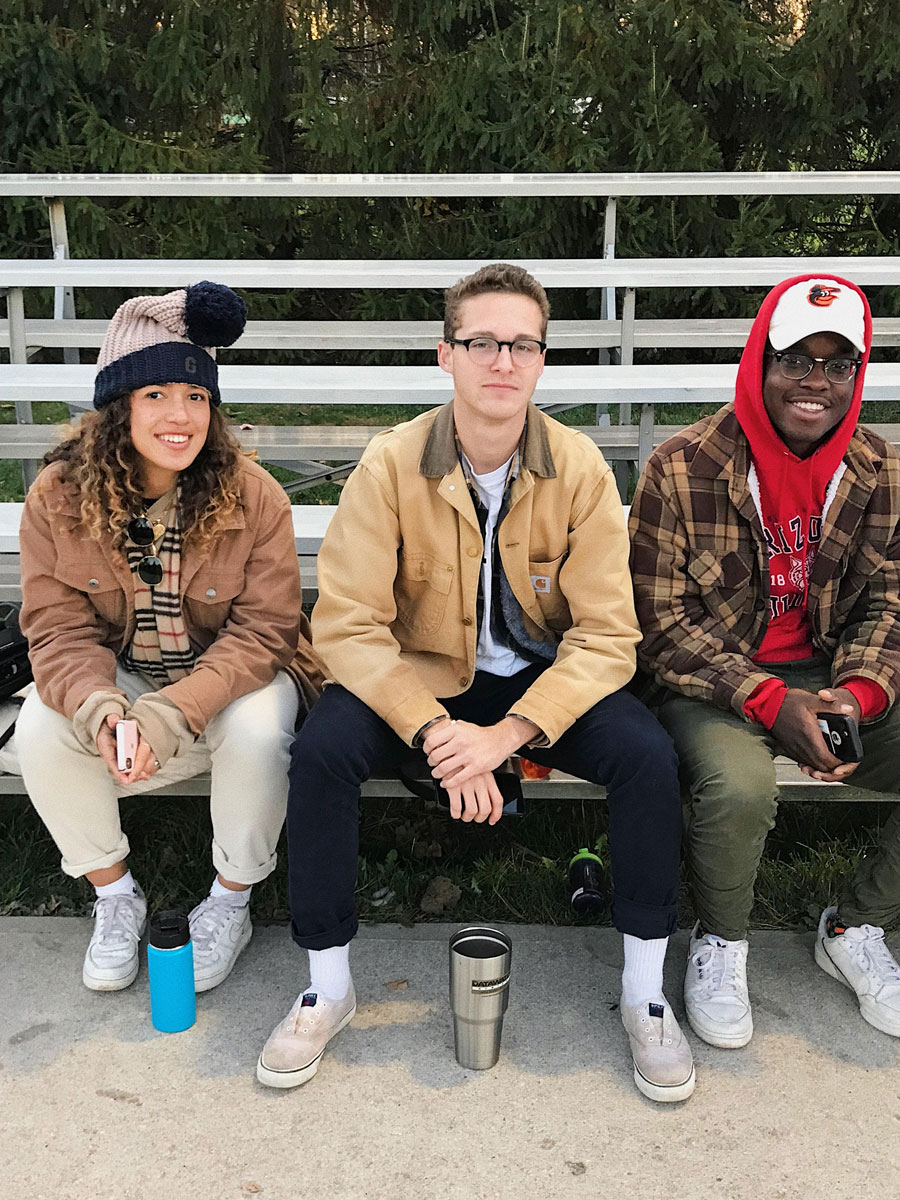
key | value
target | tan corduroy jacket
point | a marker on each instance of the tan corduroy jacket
(399, 566)
(241, 603)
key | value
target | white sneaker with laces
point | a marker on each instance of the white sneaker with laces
(296, 1045)
(220, 929)
(113, 953)
(859, 959)
(663, 1063)
(715, 990)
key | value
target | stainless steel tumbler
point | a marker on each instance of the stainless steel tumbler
(479, 994)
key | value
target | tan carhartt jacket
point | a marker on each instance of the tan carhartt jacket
(398, 574)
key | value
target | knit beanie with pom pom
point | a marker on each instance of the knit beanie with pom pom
(168, 339)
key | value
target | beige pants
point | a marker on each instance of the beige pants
(246, 748)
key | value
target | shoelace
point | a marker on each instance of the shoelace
(870, 951)
(210, 918)
(717, 966)
(116, 920)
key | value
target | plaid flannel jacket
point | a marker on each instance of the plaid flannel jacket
(700, 566)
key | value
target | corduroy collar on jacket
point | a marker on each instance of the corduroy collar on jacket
(439, 455)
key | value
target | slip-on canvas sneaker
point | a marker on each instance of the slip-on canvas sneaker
(296, 1045)
(663, 1063)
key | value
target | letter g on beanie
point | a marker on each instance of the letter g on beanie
(168, 339)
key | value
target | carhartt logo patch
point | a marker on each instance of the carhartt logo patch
(823, 297)
(541, 584)
(190, 365)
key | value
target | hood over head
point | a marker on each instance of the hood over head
(795, 309)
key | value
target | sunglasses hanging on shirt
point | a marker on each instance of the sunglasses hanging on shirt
(144, 532)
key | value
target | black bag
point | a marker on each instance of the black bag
(15, 669)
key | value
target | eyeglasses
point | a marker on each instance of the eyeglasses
(143, 532)
(524, 351)
(798, 366)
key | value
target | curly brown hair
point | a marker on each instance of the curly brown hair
(100, 459)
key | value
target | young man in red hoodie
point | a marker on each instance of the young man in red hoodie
(766, 564)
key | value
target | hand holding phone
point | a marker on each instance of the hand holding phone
(841, 736)
(126, 744)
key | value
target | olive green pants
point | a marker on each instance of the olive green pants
(728, 780)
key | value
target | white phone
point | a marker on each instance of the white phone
(126, 744)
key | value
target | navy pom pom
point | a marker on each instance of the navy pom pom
(213, 314)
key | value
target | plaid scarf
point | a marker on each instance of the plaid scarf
(160, 647)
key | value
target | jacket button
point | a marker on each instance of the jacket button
(467, 620)
(473, 552)
(211, 592)
(464, 680)
(93, 583)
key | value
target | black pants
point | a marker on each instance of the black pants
(617, 743)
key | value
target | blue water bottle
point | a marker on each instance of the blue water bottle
(170, 966)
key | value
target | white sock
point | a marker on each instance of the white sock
(329, 972)
(118, 887)
(239, 899)
(642, 978)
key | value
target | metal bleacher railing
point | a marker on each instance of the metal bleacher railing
(612, 380)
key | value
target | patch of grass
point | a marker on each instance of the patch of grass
(11, 483)
(792, 892)
(515, 872)
(323, 414)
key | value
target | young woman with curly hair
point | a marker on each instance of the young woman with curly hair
(160, 586)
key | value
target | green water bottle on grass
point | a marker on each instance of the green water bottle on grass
(586, 891)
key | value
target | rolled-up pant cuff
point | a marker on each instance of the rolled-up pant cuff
(339, 936)
(101, 863)
(643, 920)
(236, 874)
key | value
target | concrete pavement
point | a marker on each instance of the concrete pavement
(95, 1103)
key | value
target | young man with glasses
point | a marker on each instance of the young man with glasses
(766, 564)
(474, 598)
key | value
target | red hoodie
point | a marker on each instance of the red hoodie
(791, 499)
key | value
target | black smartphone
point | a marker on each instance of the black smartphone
(510, 786)
(841, 736)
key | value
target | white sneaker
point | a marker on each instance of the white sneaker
(296, 1045)
(113, 953)
(715, 990)
(220, 930)
(663, 1063)
(859, 959)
